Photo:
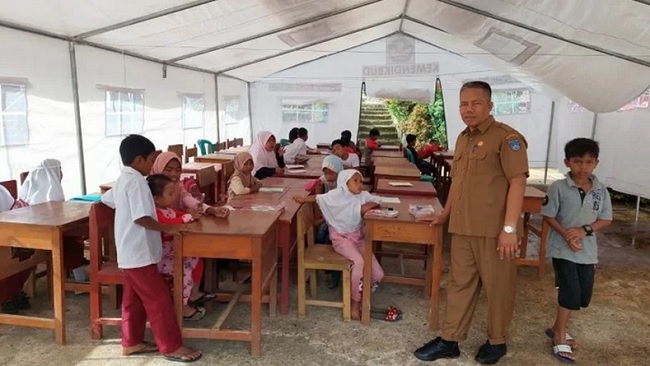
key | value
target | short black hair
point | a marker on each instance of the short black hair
(133, 146)
(337, 142)
(157, 183)
(346, 133)
(345, 141)
(293, 134)
(411, 138)
(478, 85)
(374, 132)
(580, 147)
(302, 132)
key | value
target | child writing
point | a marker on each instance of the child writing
(165, 195)
(267, 159)
(138, 243)
(242, 180)
(575, 208)
(332, 166)
(343, 209)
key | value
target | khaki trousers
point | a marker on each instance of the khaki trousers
(475, 264)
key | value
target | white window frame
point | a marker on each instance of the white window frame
(309, 108)
(123, 93)
(513, 102)
(185, 105)
(230, 113)
(3, 114)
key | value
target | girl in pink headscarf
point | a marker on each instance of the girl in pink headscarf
(267, 157)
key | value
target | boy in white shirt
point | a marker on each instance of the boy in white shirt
(297, 151)
(139, 248)
(349, 160)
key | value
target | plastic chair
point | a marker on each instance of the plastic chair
(205, 146)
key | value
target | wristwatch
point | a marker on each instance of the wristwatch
(588, 229)
(509, 229)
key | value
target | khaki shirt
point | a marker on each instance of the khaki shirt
(484, 162)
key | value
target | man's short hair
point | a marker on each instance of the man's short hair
(293, 133)
(133, 146)
(347, 133)
(411, 138)
(478, 85)
(580, 147)
(302, 132)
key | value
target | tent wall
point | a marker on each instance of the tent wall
(45, 65)
(348, 69)
(234, 116)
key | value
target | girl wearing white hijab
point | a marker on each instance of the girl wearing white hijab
(343, 209)
(43, 183)
(266, 159)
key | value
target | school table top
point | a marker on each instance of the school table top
(416, 188)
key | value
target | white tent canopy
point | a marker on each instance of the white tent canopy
(232, 59)
(595, 52)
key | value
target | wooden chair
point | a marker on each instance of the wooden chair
(191, 152)
(238, 142)
(227, 169)
(12, 187)
(313, 257)
(220, 146)
(230, 143)
(103, 266)
(206, 178)
(176, 149)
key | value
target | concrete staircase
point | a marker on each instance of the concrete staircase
(375, 114)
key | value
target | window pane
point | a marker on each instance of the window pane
(15, 129)
(138, 102)
(304, 116)
(289, 116)
(13, 99)
(112, 124)
(320, 116)
(503, 109)
(192, 112)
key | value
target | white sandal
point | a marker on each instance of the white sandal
(563, 348)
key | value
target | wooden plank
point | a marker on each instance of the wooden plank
(226, 312)
(26, 321)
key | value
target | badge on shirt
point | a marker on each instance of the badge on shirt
(514, 144)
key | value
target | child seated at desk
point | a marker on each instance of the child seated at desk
(268, 158)
(339, 148)
(169, 164)
(242, 180)
(138, 244)
(43, 184)
(296, 153)
(343, 209)
(164, 196)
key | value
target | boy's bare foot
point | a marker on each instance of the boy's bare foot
(355, 310)
(184, 354)
(138, 349)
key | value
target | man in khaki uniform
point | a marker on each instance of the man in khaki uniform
(483, 208)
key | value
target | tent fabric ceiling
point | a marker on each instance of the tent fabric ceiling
(596, 52)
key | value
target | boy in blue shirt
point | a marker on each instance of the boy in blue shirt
(575, 208)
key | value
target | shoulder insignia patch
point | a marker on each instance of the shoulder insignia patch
(512, 136)
(514, 144)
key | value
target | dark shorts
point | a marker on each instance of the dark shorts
(575, 283)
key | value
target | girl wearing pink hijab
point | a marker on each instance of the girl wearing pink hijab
(267, 157)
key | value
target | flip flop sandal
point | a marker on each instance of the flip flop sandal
(563, 348)
(198, 314)
(549, 333)
(184, 358)
(207, 296)
(148, 347)
(391, 314)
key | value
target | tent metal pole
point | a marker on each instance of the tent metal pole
(593, 126)
(77, 115)
(636, 220)
(548, 142)
(407, 3)
(216, 105)
(250, 111)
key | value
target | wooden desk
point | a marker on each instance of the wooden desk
(284, 182)
(383, 160)
(387, 154)
(533, 200)
(417, 189)
(245, 235)
(215, 158)
(310, 173)
(389, 148)
(105, 187)
(286, 232)
(404, 229)
(234, 150)
(323, 145)
(41, 227)
(392, 172)
(319, 151)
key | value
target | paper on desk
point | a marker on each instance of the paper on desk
(401, 184)
(272, 189)
(294, 166)
(390, 200)
(296, 171)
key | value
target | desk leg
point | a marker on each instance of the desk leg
(284, 239)
(178, 279)
(434, 310)
(524, 240)
(367, 276)
(58, 297)
(256, 304)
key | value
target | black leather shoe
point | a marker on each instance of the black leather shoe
(437, 348)
(490, 354)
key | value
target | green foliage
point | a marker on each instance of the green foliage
(418, 123)
(399, 109)
(437, 111)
